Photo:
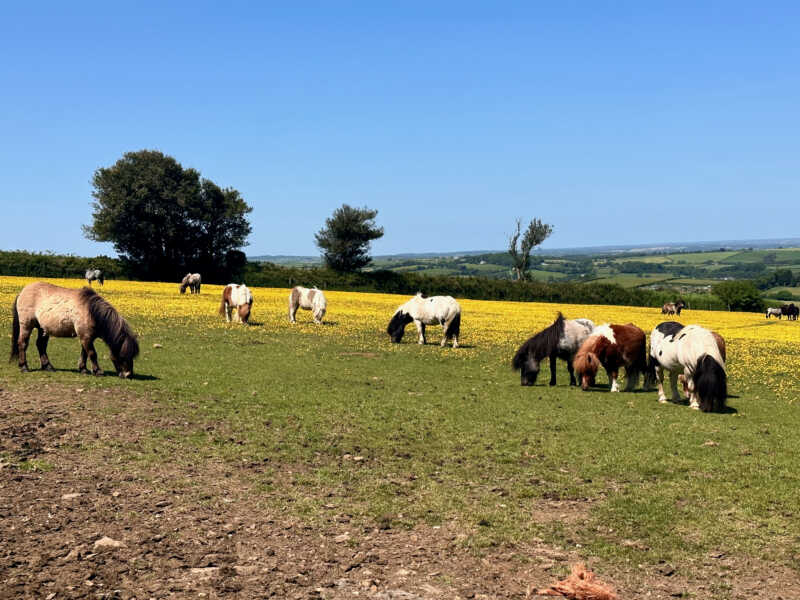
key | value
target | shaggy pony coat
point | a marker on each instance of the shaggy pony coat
(191, 281)
(560, 340)
(612, 347)
(237, 303)
(436, 310)
(307, 299)
(64, 312)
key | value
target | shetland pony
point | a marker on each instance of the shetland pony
(94, 275)
(673, 308)
(791, 311)
(238, 297)
(560, 340)
(773, 312)
(436, 310)
(191, 281)
(612, 347)
(307, 299)
(63, 312)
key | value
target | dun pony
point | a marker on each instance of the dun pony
(63, 312)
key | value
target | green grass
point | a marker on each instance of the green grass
(451, 436)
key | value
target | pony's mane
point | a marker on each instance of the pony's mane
(541, 344)
(110, 326)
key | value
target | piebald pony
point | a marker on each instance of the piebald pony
(436, 310)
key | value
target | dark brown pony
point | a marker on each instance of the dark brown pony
(612, 347)
(64, 312)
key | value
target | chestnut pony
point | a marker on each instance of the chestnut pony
(612, 347)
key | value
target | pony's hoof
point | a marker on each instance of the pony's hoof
(83, 371)
(98, 372)
(694, 407)
(24, 369)
(48, 367)
(662, 401)
(552, 383)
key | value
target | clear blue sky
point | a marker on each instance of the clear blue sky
(617, 122)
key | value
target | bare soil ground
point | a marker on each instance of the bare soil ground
(180, 528)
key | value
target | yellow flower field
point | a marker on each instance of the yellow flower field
(759, 350)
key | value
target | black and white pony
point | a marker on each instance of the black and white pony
(695, 352)
(191, 281)
(773, 312)
(94, 275)
(560, 340)
(436, 310)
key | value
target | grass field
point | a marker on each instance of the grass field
(419, 436)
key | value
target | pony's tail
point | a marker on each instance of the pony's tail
(710, 384)
(650, 372)
(454, 329)
(14, 332)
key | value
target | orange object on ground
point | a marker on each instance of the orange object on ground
(580, 585)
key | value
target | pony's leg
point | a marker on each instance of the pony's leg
(571, 371)
(92, 353)
(631, 379)
(41, 346)
(82, 362)
(693, 401)
(662, 397)
(612, 377)
(293, 312)
(22, 346)
(552, 370)
(673, 382)
(455, 341)
(227, 313)
(421, 330)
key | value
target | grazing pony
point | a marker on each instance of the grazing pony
(436, 310)
(94, 275)
(612, 347)
(791, 311)
(63, 312)
(673, 308)
(773, 312)
(238, 297)
(307, 299)
(191, 281)
(560, 340)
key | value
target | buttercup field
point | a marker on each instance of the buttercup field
(392, 466)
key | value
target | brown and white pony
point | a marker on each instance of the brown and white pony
(63, 312)
(307, 299)
(673, 308)
(612, 347)
(191, 281)
(237, 302)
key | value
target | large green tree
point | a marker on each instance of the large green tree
(520, 250)
(165, 220)
(739, 295)
(345, 239)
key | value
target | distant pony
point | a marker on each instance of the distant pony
(94, 275)
(773, 312)
(437, 310)
(191, 281)
(673, 308)
(238, 297)
(63, 312)
(791, 311)
(560, 340)
(612, 347)
(307, 299)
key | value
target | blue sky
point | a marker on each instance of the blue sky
(617, 122)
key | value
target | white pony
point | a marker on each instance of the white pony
(695, 352)
(436, 310)
(307, 299)
(774, 312)
(192, 281)
(97, 275)
(238, 297)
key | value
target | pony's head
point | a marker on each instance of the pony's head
(244, 312)
(183, 287)
(123, 360)
(114, 331)
(586, 365)
(710, 384)
(397, 326)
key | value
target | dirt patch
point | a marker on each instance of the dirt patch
(84, 521)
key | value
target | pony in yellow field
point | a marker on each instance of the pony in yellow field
(62, 312)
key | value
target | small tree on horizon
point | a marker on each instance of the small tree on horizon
(345, 239)
(520, 252)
